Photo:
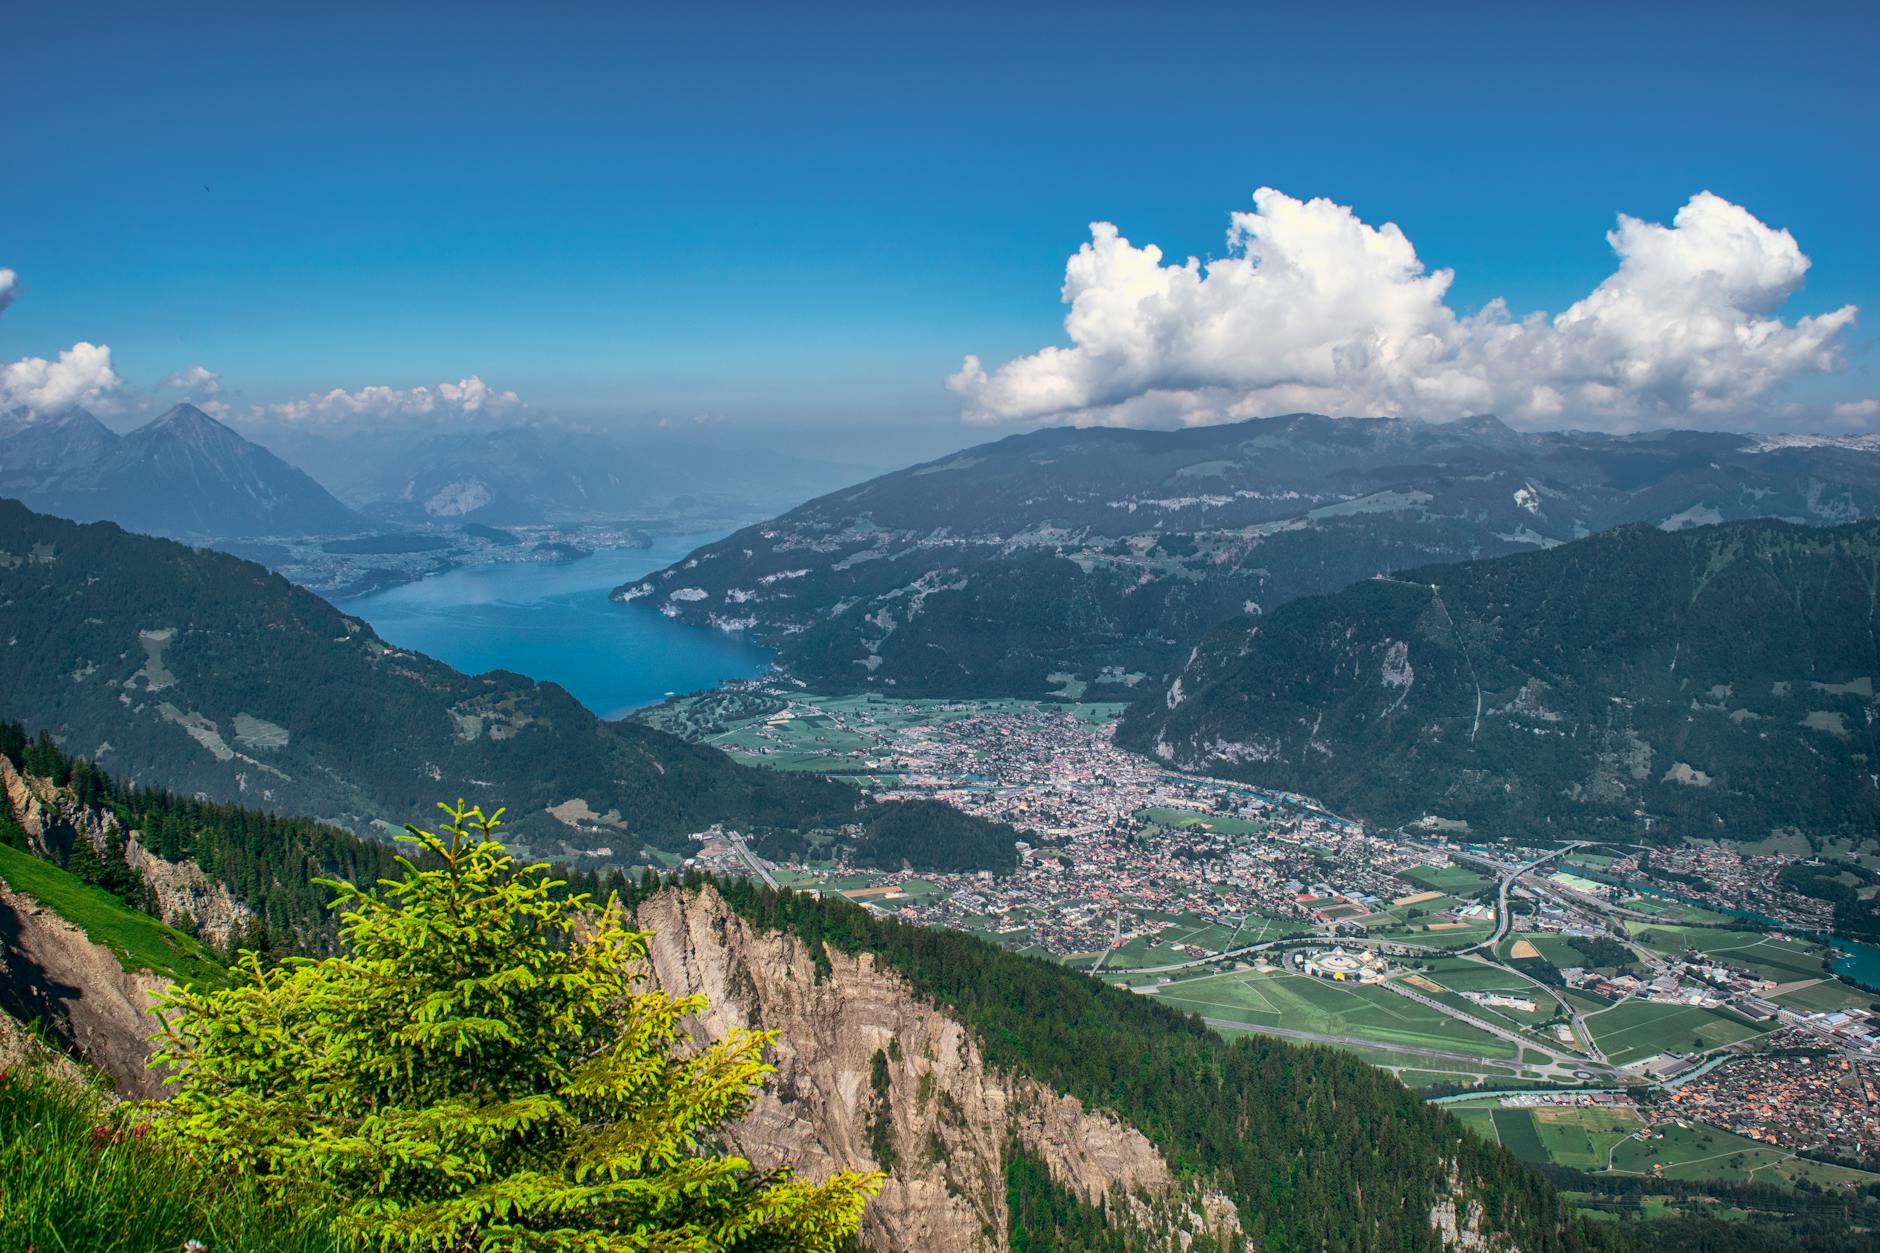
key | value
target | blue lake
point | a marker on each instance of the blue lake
(553, 621)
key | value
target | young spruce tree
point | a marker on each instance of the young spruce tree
(478, 1069)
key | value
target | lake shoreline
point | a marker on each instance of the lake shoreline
(553, 621)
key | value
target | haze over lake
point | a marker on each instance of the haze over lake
(553, 621)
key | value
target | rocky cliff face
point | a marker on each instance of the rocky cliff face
(53, 821)
(869, 1075)
(947, 1115)
(52, 974)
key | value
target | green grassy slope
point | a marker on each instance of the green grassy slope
(138, 941)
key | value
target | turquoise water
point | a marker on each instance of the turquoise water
(553, 621)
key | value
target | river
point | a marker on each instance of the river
(553, 621)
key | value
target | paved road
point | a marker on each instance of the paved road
(1508, 878)
(758, 865)
(1574, 1015)
(1571, 1061)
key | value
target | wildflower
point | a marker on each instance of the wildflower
(195, 1246)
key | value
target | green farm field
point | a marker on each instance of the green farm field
(1695, 1151)
(1170, 816)
(1635, 1030)
(1582, 1137)
(1672, 911)
(1326, 1008)
(1606, 1140)
(1826, 997)
(1781, 960)
(1455, 880)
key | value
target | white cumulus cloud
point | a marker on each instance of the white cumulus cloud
(82, 375)
(465, 397)
(1313, 309)
(196, 380)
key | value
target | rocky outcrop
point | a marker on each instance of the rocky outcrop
(185, 895)
(52, 973)
(946, 1117)
(1458, 1221)
(36, 804)
(21, 1049)
(53, 821)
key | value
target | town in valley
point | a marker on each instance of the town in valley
(1610, 1007)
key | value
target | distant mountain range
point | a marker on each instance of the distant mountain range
(540, 473)
(202, 673)
(184, 474)
(1711, 682)
(1086, 562)
(188, 476)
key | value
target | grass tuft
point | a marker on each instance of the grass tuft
(74, 1178)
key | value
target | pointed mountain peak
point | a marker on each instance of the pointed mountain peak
(77, 418)
(74, 418)
(186, 416)
(186, 424)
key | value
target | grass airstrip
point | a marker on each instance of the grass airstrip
(1300, 1003)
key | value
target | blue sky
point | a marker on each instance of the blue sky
(802, 218)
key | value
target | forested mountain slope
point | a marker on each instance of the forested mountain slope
(1708, 682)
(1014, 1104)
(202, 673)
(1086, 561)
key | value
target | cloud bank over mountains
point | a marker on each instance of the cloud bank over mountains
(465, 398)
(83, 375)
(1312, 309)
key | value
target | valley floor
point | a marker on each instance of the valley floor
(1456, 966)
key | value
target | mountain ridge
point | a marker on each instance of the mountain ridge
(1084, 561)
(203, 673)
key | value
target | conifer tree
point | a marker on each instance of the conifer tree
(480, 1069)
(83, 861)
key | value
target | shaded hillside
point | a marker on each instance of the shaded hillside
(201, 673)
(183, 474)
(1086, 561)
(1709, 682)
